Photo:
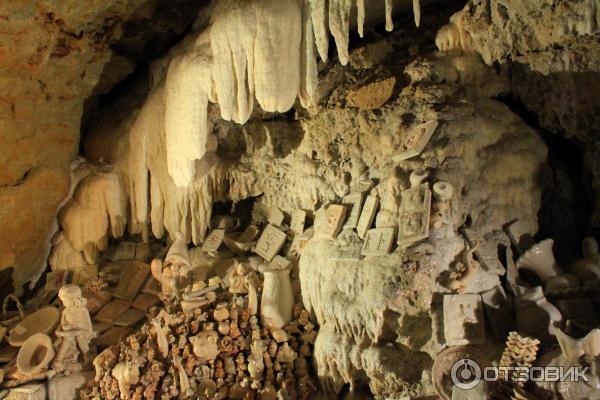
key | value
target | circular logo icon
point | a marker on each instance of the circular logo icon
(465, 374)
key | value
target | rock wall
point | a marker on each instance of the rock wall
(53, 57)
(550, 50)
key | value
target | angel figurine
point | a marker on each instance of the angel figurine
(75, 330)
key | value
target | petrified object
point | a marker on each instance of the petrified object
(416, 140)
(540, 260)
(417, 177)
(588, 268)
(367, 216)
(578, 313)
(256, 365)
(130, 317)
(226, 222)
(519, 236)
(347, 246)
(277, 298)
(276, 216)
(112, 311)
(161, 338)
(464, 322)
(112, 336)
(214, 240)
(441, 214)
(535, 316)
(83, 274)
(241, 243)
(414, 215)
(35, 354)
(498, 311)
(444, 362)
(332, 222)
(205, 345)
(175, 275)
(237, 278)
(270, 242)
(378, 242)
(145, 301)
(354, 202)
(487, 256)
(520, 351)
(127, 373)
(75, 329)
(43, 320)
(132, 281)
(298, 221)
(575, 349)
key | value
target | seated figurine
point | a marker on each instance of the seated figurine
(75, 330)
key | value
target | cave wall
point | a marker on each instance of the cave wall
(55, 56)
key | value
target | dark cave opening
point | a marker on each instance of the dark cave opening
(568, 202)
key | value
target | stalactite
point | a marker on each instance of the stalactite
(339, 25)
(319, 21)
(389, 23)
(96, 210)
(186, 125)
(360, 6)
(417, 11)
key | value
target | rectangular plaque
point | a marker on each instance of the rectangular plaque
(276, 216)
(378, 242)
(416, 140)
(367, 216)
(213, 241)
(354, 203)
(270, 242)
(415, 212)
(298, 221)
(334, 220)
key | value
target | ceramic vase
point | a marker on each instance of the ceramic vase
(540, 260)
(535, 316)
(277, 299)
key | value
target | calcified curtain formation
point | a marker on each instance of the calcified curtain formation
(265, 50)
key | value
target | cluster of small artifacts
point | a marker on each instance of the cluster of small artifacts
(164, 330)
(541, 315)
